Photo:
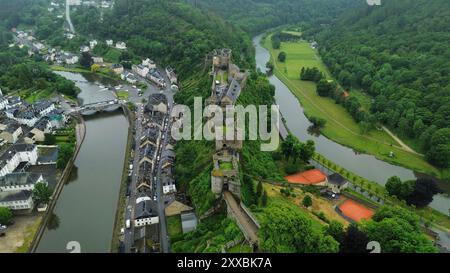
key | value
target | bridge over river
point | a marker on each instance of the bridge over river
(93, 108)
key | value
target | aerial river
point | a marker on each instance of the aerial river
(86, 209)
(364, 165)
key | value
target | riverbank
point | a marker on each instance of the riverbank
(121, 204)
(340, 126)
(80, 135)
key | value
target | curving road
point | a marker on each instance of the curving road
(69, 21)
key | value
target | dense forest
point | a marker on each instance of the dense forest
(398, 54)
(256, 16)
(30, 77)
(170, 32)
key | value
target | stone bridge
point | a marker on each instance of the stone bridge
(246, 222)
(93, 108)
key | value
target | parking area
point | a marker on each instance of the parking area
(19, 233)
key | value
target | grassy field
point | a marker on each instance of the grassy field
(123, 95)
(174, 225)
(340, 125)
(319, 204)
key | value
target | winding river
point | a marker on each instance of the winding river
(364, 165)
(86, 209)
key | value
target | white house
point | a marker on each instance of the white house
(109, 42)
(71, 59)
(12, 132)
(149, 63)
(92, 44)
(121, 45)
(169, 189)
(20, 181)
(140, 69)
(97, 60)
(16, 200)
(15, 155)
(144, 212)
(3, 101)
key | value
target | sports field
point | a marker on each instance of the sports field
(355, 211)
(340, 126)
(311, 177)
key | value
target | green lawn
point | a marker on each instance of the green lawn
(226, 166)
(340, 125)
(123, 95)
(174, 225)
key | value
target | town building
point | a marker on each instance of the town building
(117, 68)
(336, 183)
(16, 200)
(140, 69)
(121, 45)
(20, 181)
(12, 132)
(93, 44)
(97, 60)
(149, 63)
(15, 155)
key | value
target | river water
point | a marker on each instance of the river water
(86, 209)
(364, 165)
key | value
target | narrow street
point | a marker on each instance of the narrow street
(131, 199)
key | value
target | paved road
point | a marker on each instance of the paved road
(69, 21)
(131, 200)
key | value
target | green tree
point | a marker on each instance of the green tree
(259, 189)
(439, 153)
(65, 153)
(307, 201)
(41, 193)
(264, 198)
(398, 231)
(335, 230)
(282, 56)
(5, 215)
(286, 230)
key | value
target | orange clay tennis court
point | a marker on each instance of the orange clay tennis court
(355, 211)
(311, 177)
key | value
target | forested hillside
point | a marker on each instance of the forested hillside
(398, 53)
(255, 16)
(171, 32)
(19, 73)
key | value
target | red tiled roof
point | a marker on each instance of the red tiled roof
(310, 177)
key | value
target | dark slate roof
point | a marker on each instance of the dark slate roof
(156, 99)
(145, 209)
(42, 124)
(42, 105)
(17, 179)
(9, 196)
(234, 90)
(336, 179)
(12, 127)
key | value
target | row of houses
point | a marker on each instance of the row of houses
(22, 125)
